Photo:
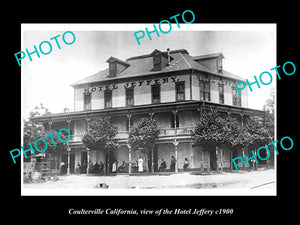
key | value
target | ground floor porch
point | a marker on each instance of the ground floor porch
(175, 156)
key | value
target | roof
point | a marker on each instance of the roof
(143, 65)
(113, 59)
(208, 56)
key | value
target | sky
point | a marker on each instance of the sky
(249, 49)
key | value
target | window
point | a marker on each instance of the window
(155, 91)
(219, 65)
(107, 99)
(204, 90)
(156, 63)
(87, 101)
(129, 96)
(236, 99)
(179, 86)
(113, 69)
(221, 93)
(127, 123)
(172, 121)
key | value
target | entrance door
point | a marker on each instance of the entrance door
(213, 160)
(233, 155)
(155, 159)
(83, 161)
(110, 158)
(72, 162)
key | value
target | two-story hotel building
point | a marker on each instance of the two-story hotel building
(173, 87)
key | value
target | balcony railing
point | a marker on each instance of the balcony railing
(163, 133)
(76, 138)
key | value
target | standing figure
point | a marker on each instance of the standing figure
(185, 164)
(62, 168)
(172, 165)
(114, 166)
(140, 164)
(77, 168)
(162, 166)
(101, 167)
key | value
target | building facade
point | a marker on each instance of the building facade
(171, 86)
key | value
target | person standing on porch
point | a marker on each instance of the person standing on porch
(172, 165)
(185, 164)
(140, 164)
(114, 166)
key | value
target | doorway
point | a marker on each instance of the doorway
(72, 161)
(155, 159)
(110, 158)
(213, 160)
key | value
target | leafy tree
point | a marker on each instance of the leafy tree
(100, 136)
(234, 134)
(209, 131)
(258, 134)
(143, 136)
(33, 131)
(213, 131)
(270, 112)
(40, 111)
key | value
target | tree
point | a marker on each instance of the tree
(40, 111)
(100, 136)
(214, 131)
(209, 130)
(143, 136)
(259, 135)
(33, 131)
(270, 112)
(234, 134)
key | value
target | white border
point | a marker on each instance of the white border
(146, 192)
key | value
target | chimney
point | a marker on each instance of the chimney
(168, 51)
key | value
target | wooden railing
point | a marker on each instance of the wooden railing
(163, 132)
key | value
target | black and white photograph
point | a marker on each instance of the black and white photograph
(130, 109)
(142, 112)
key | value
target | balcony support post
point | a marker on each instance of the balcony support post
(128, 145)
(175, 111)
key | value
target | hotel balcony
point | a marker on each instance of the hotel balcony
(122, 136)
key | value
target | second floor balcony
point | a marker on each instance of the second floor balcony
(164, 133)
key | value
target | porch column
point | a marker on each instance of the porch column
(217, 159)
(242, 119)
(152, 160)
(231, 157)
(69, 149)
(175, 140)
(176, 155)
(221, 159)
(228, 113)
(208, 162)
(129, 158)
(255, 164)
(151, 114)
(69, 122)
(68, 168)
(129, 146)
(192, 157)
(202, 161)
(88, 160)
(50, 124)
(243, 152)
(87, 119)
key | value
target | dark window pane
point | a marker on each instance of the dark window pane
(155, 89)
(108, 99)
(129, 97)
(180, 92)
(87, 101)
